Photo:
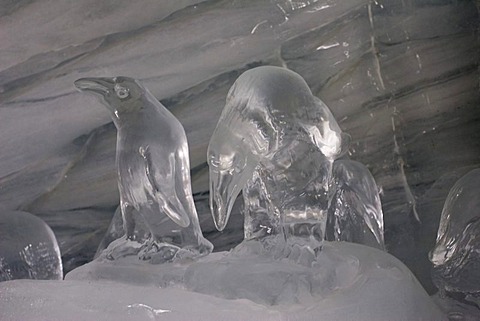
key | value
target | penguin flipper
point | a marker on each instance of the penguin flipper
(164, 188)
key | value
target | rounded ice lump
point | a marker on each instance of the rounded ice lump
(28, 248)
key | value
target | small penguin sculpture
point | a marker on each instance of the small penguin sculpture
(153, 174)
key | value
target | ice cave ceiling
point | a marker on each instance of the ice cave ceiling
(401, 77)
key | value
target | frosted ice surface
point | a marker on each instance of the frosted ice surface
(28, 248)
(456, 255)
(276, 142)
(153, 174)
(355, 213)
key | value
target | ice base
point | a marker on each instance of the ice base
(346, 281)
(456, 310)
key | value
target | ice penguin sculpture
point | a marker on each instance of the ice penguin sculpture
(276, 143)
(153, 173)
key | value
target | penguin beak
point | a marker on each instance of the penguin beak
(101, 86)
(225, 185)
(224, 190)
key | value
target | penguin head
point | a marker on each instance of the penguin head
(118, 93)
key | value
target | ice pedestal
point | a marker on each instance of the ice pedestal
(346, 281)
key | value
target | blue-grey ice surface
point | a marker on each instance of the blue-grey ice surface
(456, 255)
(277, 143)
(28, 248)
(153, 174)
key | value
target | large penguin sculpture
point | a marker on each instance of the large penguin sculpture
(276, 143)
(153, 173)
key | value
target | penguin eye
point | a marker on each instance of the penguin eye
(121, 92)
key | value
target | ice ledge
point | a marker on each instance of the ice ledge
(346, 282)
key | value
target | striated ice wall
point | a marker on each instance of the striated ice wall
(401, 77)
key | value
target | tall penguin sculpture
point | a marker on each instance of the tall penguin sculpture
(153, 174)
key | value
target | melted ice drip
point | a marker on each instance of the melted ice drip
(355, 213)
(276, 143)
(456, 255)
(28, 248)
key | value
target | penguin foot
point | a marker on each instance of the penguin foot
(158, 253)
(122, 247)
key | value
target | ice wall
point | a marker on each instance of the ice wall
(401, 77)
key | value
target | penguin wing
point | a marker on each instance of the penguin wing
(358, 200)
(163, 175)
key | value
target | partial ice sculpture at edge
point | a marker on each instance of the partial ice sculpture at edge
(456, 255)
